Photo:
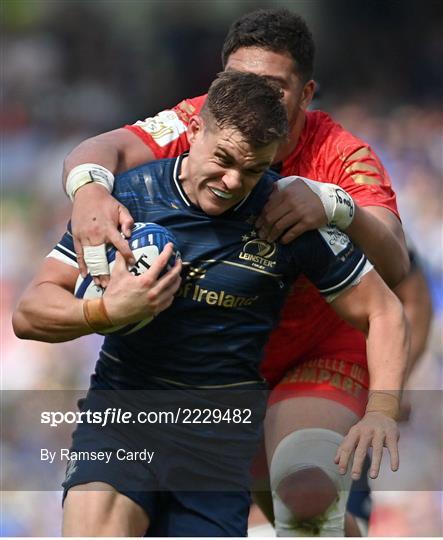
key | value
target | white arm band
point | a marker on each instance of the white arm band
(86, 173)
(339, 206)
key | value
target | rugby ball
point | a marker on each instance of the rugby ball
(147, 242)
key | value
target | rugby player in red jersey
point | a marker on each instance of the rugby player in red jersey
(315, 363)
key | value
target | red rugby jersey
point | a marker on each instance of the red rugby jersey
(327, 153)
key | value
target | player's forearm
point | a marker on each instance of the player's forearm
(117, 151)
(378, 233)
(100, 150)
(417, 303)
(387, 347)
(49, 313)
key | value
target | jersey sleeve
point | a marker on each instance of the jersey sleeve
(165, 133)
(64, 251)
(330, 261)
(358, 170)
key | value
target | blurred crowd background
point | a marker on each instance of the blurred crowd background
(72, 69)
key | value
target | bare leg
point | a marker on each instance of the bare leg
(97, 509)
(351, 526)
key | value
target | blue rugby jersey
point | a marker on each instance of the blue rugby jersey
(233, 286)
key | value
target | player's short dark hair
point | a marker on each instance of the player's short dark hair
(248, 103)
(276, 30)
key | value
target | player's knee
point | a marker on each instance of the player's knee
(309, 493)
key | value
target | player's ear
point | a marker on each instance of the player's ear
(307, 94)
(195, 127)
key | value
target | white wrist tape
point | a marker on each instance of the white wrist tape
(339, 206)
(86, 173)
(95, 260)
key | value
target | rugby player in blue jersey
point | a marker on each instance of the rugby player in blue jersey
(213, 333)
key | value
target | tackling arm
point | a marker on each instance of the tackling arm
(374, 309)
(117, 151)
(416, 299)
(301, 204)
(96, 215)
(379, 234)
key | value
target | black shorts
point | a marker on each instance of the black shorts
(193, 478)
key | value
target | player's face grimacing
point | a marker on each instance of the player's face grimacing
(221, 168)
(280, 68)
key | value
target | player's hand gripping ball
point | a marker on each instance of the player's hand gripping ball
(147, 242)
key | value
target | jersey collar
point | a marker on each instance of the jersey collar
(175, 175)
